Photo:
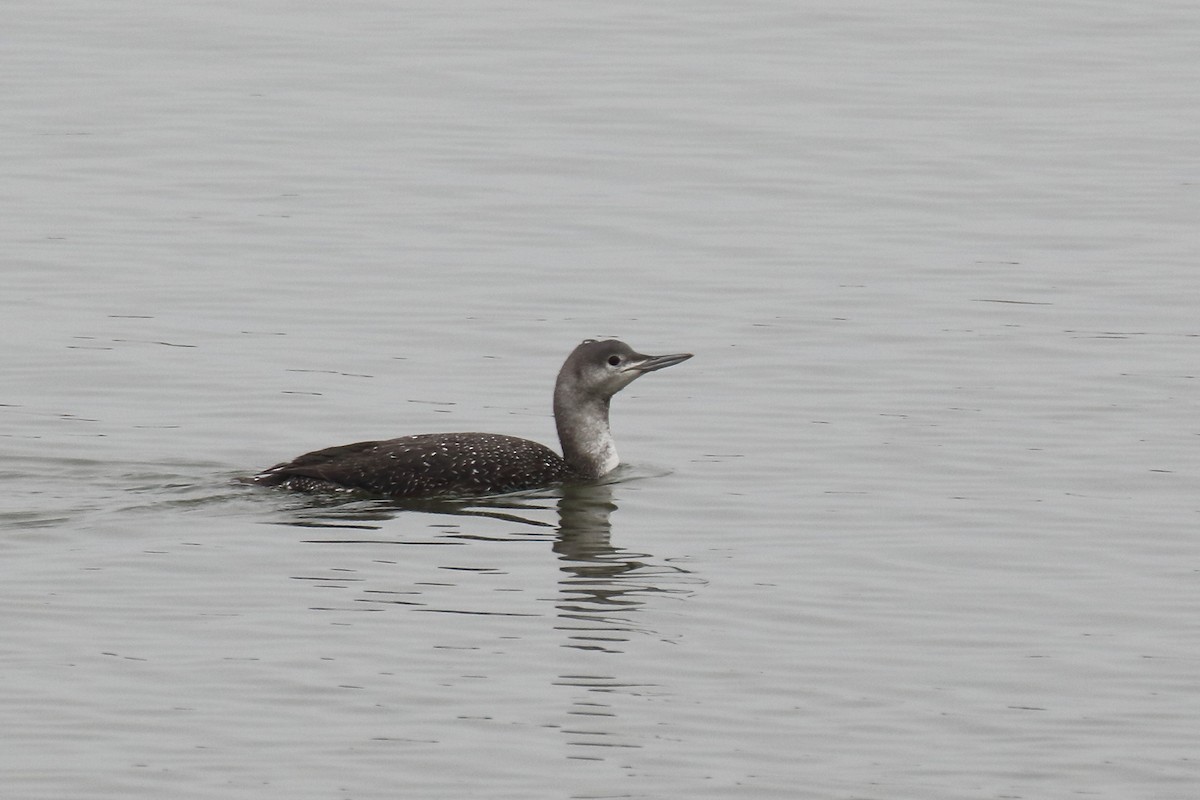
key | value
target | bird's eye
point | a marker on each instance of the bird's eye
(614, 361)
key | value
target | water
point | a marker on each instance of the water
(916, 522)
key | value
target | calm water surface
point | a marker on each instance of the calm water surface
(918, 521)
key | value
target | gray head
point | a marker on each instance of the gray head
(591, 375)
(600, 369)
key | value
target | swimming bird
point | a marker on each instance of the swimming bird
(475, 464)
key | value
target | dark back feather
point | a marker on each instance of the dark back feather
(425, 465)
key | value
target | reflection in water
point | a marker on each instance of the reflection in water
(331, 511)
(602, 586)
(602, 590)
(594, 719)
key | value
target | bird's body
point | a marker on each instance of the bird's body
(426, 465)
(474, 464)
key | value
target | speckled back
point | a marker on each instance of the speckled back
(425, 465)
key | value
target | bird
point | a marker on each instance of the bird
(471, 464)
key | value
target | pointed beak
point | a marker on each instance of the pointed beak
(642, 363)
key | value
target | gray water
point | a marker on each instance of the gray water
(919, 520)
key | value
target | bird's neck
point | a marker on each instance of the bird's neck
(583, 432)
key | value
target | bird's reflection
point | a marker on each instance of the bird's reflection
(602, 591)
(602, 586)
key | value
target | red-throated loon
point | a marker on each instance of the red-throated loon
(473, 464)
